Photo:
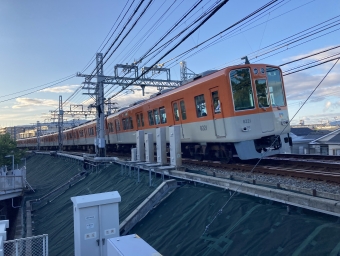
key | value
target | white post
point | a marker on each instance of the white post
(175, 146)
(133, 154)
(161, 145)
(149, 148)
(140, 146)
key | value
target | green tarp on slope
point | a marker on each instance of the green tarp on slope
(56, 217)
(246, 226)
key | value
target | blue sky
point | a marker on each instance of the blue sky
(43, 41)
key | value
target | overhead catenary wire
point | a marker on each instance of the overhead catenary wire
(311, 55)
(94, 57)
(179, 43)
(121, 32)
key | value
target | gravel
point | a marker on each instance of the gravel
(321, 186)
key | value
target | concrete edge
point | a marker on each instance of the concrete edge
(328, 206)
(154, 198)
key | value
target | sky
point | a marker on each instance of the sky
(46, 41)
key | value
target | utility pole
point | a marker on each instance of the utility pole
(96, 90)
(38, 135)
(60, 123)
(15, 133)
(100, 143)
(184, 70)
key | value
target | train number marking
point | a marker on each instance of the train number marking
(246, 121)
(203, 127)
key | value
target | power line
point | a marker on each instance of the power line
(39, 89)
(305, 57)
(286, 74)
(53, 84)
(94, 57)
(179, 43)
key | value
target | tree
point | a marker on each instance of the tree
(9, 147)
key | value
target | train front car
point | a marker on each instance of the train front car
(260, 116)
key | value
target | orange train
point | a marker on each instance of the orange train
(239, 110)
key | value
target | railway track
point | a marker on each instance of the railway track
(319, 169)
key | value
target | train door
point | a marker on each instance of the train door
(117, 124)
(140, 120)
(217, 113)
(108, 129)
(179, 113)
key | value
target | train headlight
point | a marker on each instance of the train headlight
(284, 122)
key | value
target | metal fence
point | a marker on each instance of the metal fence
(35, 246)
(11, 182)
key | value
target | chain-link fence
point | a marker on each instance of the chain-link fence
(35, 246)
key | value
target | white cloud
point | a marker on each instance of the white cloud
(328, 104)
(29, 103)
(133, 96)
(61, 89)
(299, 86)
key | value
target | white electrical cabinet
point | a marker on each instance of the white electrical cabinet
(96, 218)
(175, 145)
(131, 245)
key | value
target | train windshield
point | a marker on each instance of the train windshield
(242, 89)
(262, 93)
(275, 87)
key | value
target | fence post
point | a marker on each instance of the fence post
(16, 247)
(44, 254)
(46, 237)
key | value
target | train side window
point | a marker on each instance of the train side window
(124, 124)
(111, 127)
(130, 123)
(201, 108)
(242, 90)
(138, 120)
(117, 125)
(275, 87)
(184, 113)
(162, 115)
(176, 112)
(150, 117)
(216, 102)
(142, 119)
(156, 115)
(262, 93)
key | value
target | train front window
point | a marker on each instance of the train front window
(242, 89)
(275, 87)
(262, 93)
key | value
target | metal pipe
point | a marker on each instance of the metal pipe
(15, 206)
